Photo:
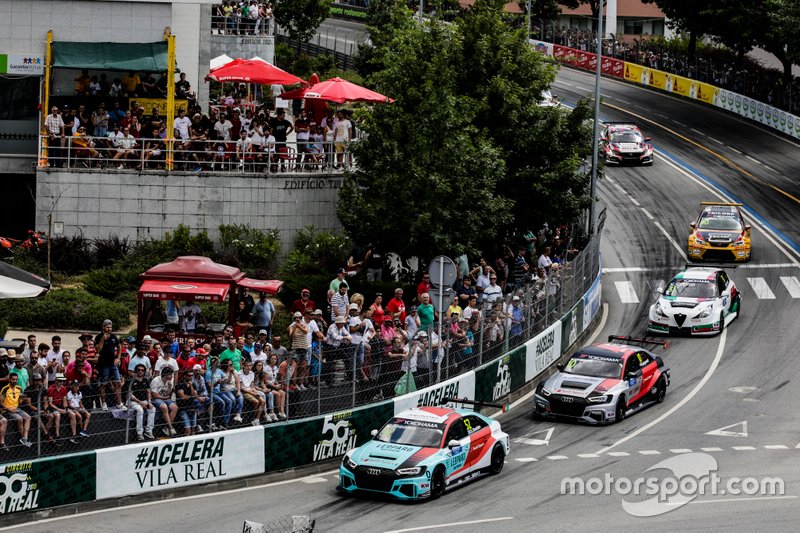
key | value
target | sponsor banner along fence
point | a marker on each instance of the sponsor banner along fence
(571, 326)
(743, 106)
(542, 351)
(591, 303)
(145, 467)
(318, 439)
(462, 386)
(47, 482)
(501, 377)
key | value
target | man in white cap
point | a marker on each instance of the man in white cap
(342, 343)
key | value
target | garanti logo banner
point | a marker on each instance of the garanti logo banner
(139, 468)
(47, 482)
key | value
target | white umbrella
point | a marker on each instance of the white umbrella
(17, 283)
(219, 61)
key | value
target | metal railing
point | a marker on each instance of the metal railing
(241, 26)
(326, 378)
(154, 155)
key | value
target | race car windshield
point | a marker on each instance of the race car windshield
(412, 433)
(720, 223)
(598, 368)
(627, 137)
(695, 288)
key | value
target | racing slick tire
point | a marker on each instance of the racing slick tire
(620, 410)
(721, 323)
(738, 306)
(661, 389)
(438, 483)
(498, 460)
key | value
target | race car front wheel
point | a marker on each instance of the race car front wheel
(661, 389)
(498, 459)
(620, 411)
(438, 483)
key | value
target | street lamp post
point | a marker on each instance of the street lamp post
(596, 133)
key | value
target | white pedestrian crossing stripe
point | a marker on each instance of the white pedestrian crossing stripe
(626, 292)
(792, 285)
(761, 289)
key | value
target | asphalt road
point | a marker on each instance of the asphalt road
(731, 397)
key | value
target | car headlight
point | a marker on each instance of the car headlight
(543, 391)
(413, 471)
(705, 312)
(602, 398)
(699, 240)
(659, 311)
(348, 463)
(739, 241)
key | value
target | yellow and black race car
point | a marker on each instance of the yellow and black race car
(720, 234)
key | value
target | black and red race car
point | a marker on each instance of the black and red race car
(604, 383)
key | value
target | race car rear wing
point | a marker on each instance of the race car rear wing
(638, 340)
(732, 204)
(474, 403)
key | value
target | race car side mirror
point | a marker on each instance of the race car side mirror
(374, 432)
(560, 367)
(659, 362)
(648, 139)
(747, 227)
(453, 444)
(692, 225)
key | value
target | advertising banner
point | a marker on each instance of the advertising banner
(25, 65)
(636, 73)
(658, 79)
(613, 67)
(681, 85)
(542, 351)
(591, 303)
(542, 47)
(462, 386)
(307, 441)
(571, 326)
(706, 92)
(501, 377)
(44, 483)
(139, 468)
(148, 104)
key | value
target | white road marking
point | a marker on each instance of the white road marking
(712, 449)
(525, 459)
(743, 448)
(616, 270)
(588, 455)
(736, 500)
(634, 202)
(315, 480)
(723, 431)
(649, 452)
(548, 434)
(715, 140)
(753, 159)
(647, 213)
(743, 389)
(735, 150)
(170, 501)
(768, 265)
(761, 289)
(769, 168)
(672, 241)
(681, 450)
(452, 524)
(792, 285)
(681, 124)
(683, 401)
(627, 294)
(557, 457)
(608, 179)
(698, 131)
(625, 454)
(623, 101)
(660, 115)
(776, 447)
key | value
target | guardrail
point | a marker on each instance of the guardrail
(247, 156)
(152, 466)
(743, 106)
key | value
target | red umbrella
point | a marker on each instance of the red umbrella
(339, 91)
(252, 71)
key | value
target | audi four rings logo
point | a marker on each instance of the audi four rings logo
(374, 471)
(567, 399)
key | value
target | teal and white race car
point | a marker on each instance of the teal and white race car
(421, 452)
(698, 301)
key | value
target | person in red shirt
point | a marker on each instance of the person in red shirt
(199, 358)
(57, 392)
(397, 306)
(184, 359)
(375, 311)
(79, 369)
(304, 303)
(424, 286)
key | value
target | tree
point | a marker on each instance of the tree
(301, 18)
(737, 24)
(594, 5)
(465, 153)
(687, 16)
(781, 38)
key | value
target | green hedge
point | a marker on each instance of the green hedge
(64, 309)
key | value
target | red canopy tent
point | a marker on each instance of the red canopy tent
(252, 71)
(194, 278)
(337, 90)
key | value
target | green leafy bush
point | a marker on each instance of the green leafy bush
(316, 252)
(111, 283)
(109, 251)
(3, 329)
(248, 248)
(64, 309)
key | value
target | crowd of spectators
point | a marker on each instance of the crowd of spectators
(247, 17)
(716, 66)
(224, 139)
(247, 370)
